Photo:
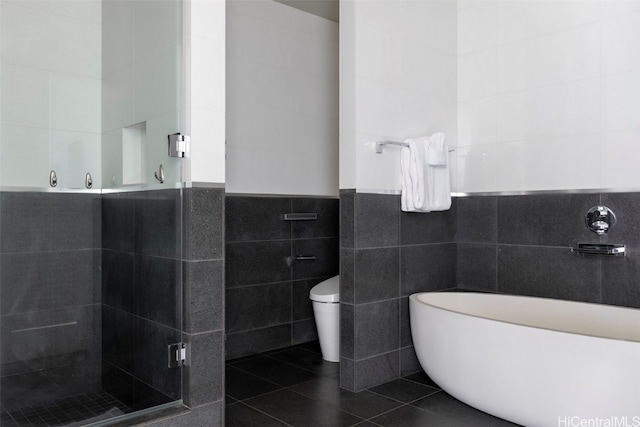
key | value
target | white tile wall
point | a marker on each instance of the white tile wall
(477, 29)
(509, 158)
(620, 154)
(282, 100)
(25, 162)
(23, 91)
(617, 31)
(155, 92)
(585, 161)
(73, 154)
(55, 83)
(75, 103)
(402, 84)
(558, 109)
(477, 121)
(378, 57)
(479, 167)
(536, 90)
(88, 10)
(620, 102)
(477, 74)
(51, 92)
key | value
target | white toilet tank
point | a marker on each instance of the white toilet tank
(325, 297)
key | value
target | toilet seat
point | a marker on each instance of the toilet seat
(327, 291)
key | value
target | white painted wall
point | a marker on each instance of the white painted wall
(282, 99)
(205, 97)
(548, 95)
(50, 71)
(397, 80)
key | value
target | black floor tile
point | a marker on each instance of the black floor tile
(7, 421)
(241, 415)
(311, 346)
(410, 416)
(241, 385)
(308, 360)
(363, 404)
(443, 404)
(298, 410)
(229, 400)
(28, 389)
(75, 410)
(275, 371)
(294, 386)
(422, 378)
(404, 391)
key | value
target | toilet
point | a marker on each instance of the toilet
(325, 297)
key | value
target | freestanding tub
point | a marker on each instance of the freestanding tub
(532, 361)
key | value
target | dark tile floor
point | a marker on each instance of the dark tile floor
(295, 387)
(78, 410)
(45, 398)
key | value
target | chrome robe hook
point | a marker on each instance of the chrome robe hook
(160, 174)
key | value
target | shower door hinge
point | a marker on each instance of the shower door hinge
(177, 354)
(178, 145)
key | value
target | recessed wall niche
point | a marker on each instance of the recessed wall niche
(134, 140)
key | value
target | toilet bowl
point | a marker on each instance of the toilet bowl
(325, 297)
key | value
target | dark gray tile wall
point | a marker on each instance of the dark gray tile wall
(521, 245)
(507, 244)
(50, 263)
(141, 292)
(267, 300)
(203, 304)
(202, 269)
(385, 255)
(106, 269)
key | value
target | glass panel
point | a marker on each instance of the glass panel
(90, 278)
(142, 97)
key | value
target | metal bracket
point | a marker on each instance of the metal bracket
(177, 354)
(178, 145)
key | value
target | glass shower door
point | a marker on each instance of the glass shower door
(90, 209)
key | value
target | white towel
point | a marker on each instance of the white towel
(425, 174)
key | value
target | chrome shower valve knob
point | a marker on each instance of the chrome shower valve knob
(600, 219)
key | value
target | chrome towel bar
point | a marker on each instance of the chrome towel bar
(381, 144)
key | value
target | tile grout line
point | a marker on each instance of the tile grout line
(262, 412)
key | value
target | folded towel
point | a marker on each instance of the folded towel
(425, 175)
(437, 152)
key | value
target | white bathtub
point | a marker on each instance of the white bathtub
(532, 361)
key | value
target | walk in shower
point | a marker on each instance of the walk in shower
(90, 210)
